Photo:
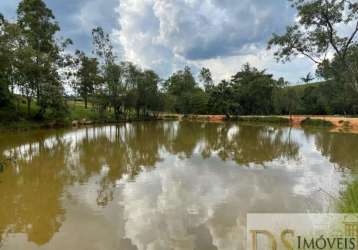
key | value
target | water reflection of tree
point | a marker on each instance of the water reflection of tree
(125, 150)
(31, 193)
(186, 139)
(242, 144)
(339, 148)
(48, 164)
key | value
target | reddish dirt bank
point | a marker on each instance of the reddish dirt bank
(338, 121)
(216, 118)
(341, 123)
(212, 118)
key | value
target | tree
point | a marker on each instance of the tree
(221, 99)
(206, 78)
(343, 97)
(16, 62)
(24, 73)
(313, 101)
(253, 91)
(5, 63)
(193, 102)
(147, 92)
(180, 82)
(308, 78)
(38, 28)
(250, 92)
(103, 47)
(131, 79)
(287, 101)
(315, 34)
(181, 86)
(87, 76)
(111, 93)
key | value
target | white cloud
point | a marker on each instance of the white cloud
(225, 67)
(167, 34)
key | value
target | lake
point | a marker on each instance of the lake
(163, 185)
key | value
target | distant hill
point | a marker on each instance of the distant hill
(300, 88)
(305, 85)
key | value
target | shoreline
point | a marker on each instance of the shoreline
(33, 125)
(335, 123)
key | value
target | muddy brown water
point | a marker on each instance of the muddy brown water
(163, 185)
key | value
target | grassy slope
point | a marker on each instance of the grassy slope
(305, 85)
(22, 120)
(301, 87)
(348, 202)
(78, 111)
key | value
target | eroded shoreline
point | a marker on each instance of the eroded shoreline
(338, 123)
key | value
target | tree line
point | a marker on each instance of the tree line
(37, 69)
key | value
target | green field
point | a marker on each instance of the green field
(21, 119)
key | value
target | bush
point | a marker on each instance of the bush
(261, 119)
(170, 117)
(348, 202)
(317, 123)
(8, 115)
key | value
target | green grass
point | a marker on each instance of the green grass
(262, 119)
(78, 111)
(22, 125)
(348, 202)
(16, 116)
(316, 123)
(170, 117)
(303, 86)
(18, 111)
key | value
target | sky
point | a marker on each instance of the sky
(166, 35)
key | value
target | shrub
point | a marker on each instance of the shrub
(348, 202)
(8, 115)
(170, 117)
(316, 123)
(261, 119)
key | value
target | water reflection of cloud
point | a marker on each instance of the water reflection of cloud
(172, 185)
(167, 207)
